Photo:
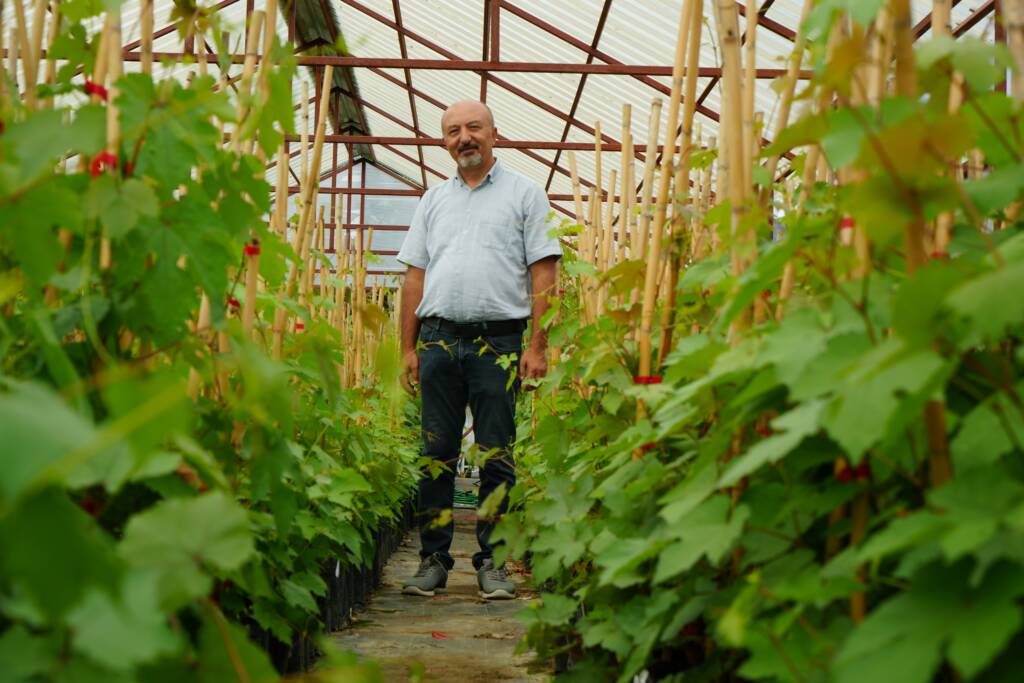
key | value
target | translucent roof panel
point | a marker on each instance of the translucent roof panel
(536, 106)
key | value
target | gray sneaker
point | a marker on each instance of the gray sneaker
(430, 578)
(494, 582)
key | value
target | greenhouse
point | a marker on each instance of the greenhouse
(484, 340)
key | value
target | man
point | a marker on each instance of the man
(480, 263)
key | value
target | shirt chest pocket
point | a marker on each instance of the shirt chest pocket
(496, 234)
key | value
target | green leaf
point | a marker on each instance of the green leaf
(795, 426)
(30, 221)
(903, 638)
(299, 596)
(36, 428)
(997, 189)
(37, 142)
(177, 538)
(123, 630)
(55, 552)
(709, 530)
(227, 654)
(24, 656)
(917, 308)
(845, 136)
(985, 433)
(900, 534)
(983, 301)
(118, 206)
(861, 413)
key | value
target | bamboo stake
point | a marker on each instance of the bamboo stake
(592, 247)
(306, 207)
(358, 293)
(607, 236)
(681, 182)
(1013, 21)
(786, 100)
(881, 54)
(115, 70)
(576, 193)
(146, 35)
(51, 63)
(25, 48)
(651, 273)
(202, 327)
(281, 194)
(252, 273)
(732, 129)
(12, 65)
(38, 25)
(621, 240)
(304, 135)
(245, 86)
(645, 200)
(749, 84)
(941, 27)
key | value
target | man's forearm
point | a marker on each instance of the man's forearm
(412, 294)
(543, 275)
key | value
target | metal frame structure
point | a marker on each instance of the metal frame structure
(359, 141)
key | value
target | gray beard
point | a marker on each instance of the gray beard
(469, 162)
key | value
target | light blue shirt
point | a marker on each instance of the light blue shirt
(477, 244)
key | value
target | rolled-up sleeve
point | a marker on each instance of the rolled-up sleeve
(414, 248)
(537, 241)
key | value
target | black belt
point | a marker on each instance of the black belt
(488, 328)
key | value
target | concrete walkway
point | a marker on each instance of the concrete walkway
(454, 636)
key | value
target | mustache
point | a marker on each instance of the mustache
(466, 148)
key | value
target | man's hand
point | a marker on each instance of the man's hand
(534, 363)
(410, 371)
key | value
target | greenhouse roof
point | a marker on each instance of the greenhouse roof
(548, 70)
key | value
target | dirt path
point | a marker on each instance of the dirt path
(456, 636)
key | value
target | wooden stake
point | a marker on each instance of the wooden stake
(686, 15)
(24, 46)
(252, 273)
(621, 241)
(146, 35)
(307, 196)
(681, 182)
(245, 86)
(1013, 21)
(786, 99)
(749, 84)
(640, 249)
(731, 125)
(115, 70)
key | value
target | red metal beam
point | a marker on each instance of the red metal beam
(388, 192)
(160, 33)
(442, 106)
(580, 45)
(485, 49)
(396, 6)
(579, 88)
(494, 79)
(976, 16)
(925, 24)
(455, 64)
(346, 73)
(501, 143)
(770, 24)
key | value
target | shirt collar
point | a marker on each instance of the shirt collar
(492, 175)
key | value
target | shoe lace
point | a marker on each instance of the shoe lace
(425, 566)
(496, 573)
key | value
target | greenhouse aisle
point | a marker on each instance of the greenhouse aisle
(456, 635)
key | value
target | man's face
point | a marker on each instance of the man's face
(469, 134)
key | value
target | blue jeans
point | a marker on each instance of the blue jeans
(456, 372)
